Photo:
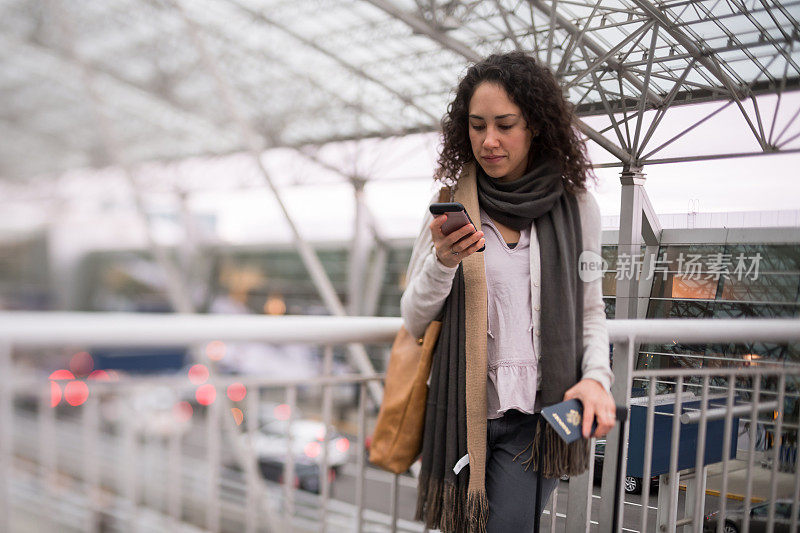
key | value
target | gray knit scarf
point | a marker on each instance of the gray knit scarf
(443, 499)
(540, 195)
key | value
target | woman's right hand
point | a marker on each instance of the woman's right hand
(451, 249)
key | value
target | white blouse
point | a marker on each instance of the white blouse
(429, 283)
(512, 358)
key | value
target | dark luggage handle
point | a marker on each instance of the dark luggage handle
(622, 416)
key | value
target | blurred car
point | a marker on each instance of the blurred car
(306, 473)
(307, 440)
(759, 513)
(633, 484)
(151, 411)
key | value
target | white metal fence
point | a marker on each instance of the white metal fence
(67, 469)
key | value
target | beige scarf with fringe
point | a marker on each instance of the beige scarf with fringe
(548, 453)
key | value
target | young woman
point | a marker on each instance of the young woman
(521, 330)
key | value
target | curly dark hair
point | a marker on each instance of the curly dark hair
(534, 88)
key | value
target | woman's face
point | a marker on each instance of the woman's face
(498, 133)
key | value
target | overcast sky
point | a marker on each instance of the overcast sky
(400, 185)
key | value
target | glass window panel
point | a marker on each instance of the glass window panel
(765, 288)
(609, 254)
(753, 310)
(678, 256)
(761, 510)
(612, 273)
(611, 306)
(773, 257)
(678, 309)
(685, 287)
(609, 284)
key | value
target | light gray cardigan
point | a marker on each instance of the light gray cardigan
(429, 282)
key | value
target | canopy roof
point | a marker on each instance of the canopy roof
(89, 83)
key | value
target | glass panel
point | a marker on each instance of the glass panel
(683, 287)
(783, 287)
(609, 283)
(773, 257)
(611, 306)
(782, 510)
(742, 310)
(663, 308)
(761, 510)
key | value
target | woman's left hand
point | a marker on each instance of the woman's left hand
(596, 401)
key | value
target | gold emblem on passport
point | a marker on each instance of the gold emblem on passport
(573, 417)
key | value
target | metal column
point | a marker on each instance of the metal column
(255, 144)
(359, 252)
(630, 241)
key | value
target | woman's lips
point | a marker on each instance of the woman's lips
(492, 159)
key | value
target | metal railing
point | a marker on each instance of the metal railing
(73, 473)
(678, 386)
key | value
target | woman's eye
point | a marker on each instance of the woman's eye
(478, 127)
(505, 127)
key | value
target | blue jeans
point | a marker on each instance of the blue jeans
(510, 489)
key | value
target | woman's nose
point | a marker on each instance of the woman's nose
(491, 139)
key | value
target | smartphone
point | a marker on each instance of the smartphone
(457, 217)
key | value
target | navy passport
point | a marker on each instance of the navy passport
(566, 418)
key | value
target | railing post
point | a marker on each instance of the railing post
(252, 467)
(667, 506)
(796, 492)
(674, 475)
(554, 509)
(362, 431)
(579, 497)
(700, 469)
(726, 446)
(621, 390)
(648, 450)
(91, 481)
(47, 456)
(213, 456)
(394, 502)
(6, 435)
(129, 479)
(327, 407)
(776, 448)
(175, 478)
(695, 492)
(288, 467)
(754, 415)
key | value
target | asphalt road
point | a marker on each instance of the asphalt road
(377, 495)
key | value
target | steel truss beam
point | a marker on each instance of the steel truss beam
(420, 26)
(305, 78)
(688, 45)
(256, 145)
(348, 66)
(140, 90)
(652, 98)
(177, 290)
(708, 83)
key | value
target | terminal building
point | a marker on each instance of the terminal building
(190, 341)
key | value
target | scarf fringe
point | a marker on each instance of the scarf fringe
(422, 496)
(451, 508)
(477, 510)
(432, 505)
(557, 457)
(449, 517)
